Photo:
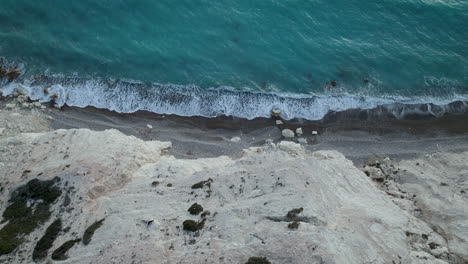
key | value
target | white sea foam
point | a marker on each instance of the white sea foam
(127, 97)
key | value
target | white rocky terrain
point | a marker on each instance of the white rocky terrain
(277, 202)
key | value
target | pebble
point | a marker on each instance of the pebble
(287, 133)
(299, 131)
(279, 122)
(235, 139)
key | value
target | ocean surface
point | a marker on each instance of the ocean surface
(238, 57)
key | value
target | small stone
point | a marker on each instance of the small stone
(276, 112)
(294, 225)
(155, 183)
(287, 133)
(279, 122)
(235, 139)
(195, 209)
(10, 106)
(302, 140)
(149, 126)
(299, 132)
(314, 133)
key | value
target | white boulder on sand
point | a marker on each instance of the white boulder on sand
(278, 202)
(287, 133)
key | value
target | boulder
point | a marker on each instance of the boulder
(290, 147)
(276, 112)
(10, 106)
(3, 73)
(37, 104)
(287, 133)
(13, 73)
(235, 139)
(299, 132)
(19, 91)
(302, 140)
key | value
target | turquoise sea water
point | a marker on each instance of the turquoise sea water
(213, 54)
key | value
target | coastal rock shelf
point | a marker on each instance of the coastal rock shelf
(277, 203)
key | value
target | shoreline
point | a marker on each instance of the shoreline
(358, 134)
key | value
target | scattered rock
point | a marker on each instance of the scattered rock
(290, 147)
(294, 225)
(314, 133)
(276, 112)
(235, 139)
(195, 209)
(3, 73)
(155, 183)
(10, 106)
(89, 232)
(61, 252)
(258, 260)
(19, 91)
(299, 132)
(192, 226)
(279, 122)
(205, 214)
(13, 73)
(202, 184)
(294, 212)
(287, 133)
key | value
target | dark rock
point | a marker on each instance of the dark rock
(155, 183)
(202, 184)
(3, 73)
(190, 225)
(46, 242)
(205, 214)
(294, 212)
(294, 225)
(88, 234)
(258, 260)
(61, 252)
(169, 185)
(195, 209)
(13, 74)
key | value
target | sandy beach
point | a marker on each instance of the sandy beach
(367, 188)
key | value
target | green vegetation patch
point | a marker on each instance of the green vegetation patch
(46, 242)
(29, 208)
(61, 252)
(89, 232)
(258, 260)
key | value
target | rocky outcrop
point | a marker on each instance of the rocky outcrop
(275, 203)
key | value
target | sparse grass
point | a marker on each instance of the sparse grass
(47, 240)
(61, 252)
(89, 232)
(23, 219)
